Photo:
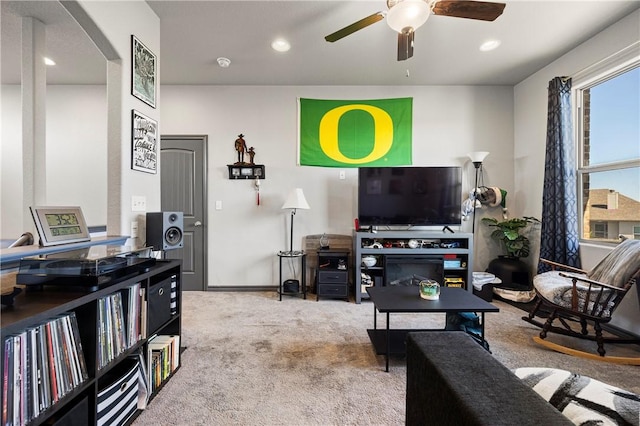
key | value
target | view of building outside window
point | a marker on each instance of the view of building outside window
(609, 170)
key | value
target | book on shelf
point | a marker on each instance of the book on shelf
(113, 328)
(133, 308)
(163, 357)
(143, 313)
(40, 365)
(7, 377)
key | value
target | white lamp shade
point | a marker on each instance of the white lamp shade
(479, 156)
(408, 13)
(296, 200)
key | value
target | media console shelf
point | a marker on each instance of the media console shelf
(402, 254)
(79, 355)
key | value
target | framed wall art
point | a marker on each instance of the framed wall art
(144, 148)
(143, 75)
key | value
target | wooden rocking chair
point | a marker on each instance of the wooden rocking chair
(576, 297)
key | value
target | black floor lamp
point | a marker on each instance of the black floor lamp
(476, 158)
(295, 200)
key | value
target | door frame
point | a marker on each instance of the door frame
(205, 190)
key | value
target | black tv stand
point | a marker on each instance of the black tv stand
(446, 228)
(456, 252)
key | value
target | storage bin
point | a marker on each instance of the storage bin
(119, 401)
(159, 305)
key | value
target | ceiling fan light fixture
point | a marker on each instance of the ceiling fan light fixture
(408, 13)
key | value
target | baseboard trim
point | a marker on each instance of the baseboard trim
(243, 288)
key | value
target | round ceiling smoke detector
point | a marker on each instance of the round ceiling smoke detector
(224, 62)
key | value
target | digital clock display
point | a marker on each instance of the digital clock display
(58, 219)
(60, 225)
(63, 224)
(65, 230)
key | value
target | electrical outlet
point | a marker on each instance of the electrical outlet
(134, 229)
(138, 203)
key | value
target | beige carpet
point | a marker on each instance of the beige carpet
(252, 360)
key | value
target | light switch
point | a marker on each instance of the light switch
(138, 203)
(218, 204)
(342, 175)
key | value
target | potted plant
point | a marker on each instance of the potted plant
(508, 232)
(509, 268)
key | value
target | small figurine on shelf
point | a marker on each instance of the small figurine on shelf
(241, 147)
(324, 242)
(252, 154)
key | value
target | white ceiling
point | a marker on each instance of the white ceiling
(195, 33)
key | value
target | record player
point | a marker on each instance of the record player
(90, 267)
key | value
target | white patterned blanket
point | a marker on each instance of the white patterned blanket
(583, 400)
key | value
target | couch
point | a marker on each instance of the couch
(452, 380)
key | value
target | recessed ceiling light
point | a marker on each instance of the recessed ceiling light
(281, 45)
(48, 61)
(489, 45)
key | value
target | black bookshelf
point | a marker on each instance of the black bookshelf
(97, 321)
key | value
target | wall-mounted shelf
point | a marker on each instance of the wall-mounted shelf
(246, 171)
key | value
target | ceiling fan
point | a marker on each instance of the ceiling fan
(406, 16)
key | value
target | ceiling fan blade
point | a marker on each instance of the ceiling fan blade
(405, 44)
(482, 10)
(350, 29)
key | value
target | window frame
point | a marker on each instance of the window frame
(615, 65)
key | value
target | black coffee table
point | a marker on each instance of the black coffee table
(406, 299)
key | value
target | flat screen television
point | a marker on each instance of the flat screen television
(409, 196)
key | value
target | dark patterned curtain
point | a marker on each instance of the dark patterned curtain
(559, 234)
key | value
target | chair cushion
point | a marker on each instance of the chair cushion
(583, 400)
(556, 289)
(619, 265)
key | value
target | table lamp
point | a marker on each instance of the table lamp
(295, 200)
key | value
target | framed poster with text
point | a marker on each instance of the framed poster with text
(144, 144)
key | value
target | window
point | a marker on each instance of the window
(608, 137)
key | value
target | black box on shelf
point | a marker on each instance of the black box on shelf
(291, 286)
(159, 304)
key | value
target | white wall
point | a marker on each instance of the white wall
(243, 238)
(110, 25)
(77, 149)
(11, 164)
(76, 134)
(530, 111)
(116, 22)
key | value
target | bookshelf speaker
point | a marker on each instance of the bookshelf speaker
(165, 230)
